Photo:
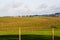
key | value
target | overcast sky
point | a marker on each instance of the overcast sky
(28, 7)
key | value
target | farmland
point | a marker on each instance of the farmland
(38, 23)
(33, 26)
(10, 25)
(9, 28)
(39, 28)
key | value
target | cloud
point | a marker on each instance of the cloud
(28, 7)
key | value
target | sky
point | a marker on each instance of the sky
(28, 7)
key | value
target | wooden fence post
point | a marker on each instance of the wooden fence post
(52, 33)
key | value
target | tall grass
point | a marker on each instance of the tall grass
(10, 25)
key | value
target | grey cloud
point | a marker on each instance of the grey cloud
(17, 5)
(42, 6)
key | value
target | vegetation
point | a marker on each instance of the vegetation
(40, 28)
(8, 26)
(37, 25)
(12, 24)
(9, 37)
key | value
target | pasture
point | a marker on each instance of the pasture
(30, 27)
(40, 28)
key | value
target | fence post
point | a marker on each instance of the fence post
(52, 33)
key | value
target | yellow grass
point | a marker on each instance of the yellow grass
(37, 23)
(12, 24)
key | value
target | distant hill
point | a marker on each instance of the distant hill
(57, 14)
(54, 15)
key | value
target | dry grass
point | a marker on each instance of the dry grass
(8, 26)
(12, 24)
(37, 23)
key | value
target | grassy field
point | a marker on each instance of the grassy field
(41, 35)
(30, 26)
(9, 25)
(39, 28)
(9, 29)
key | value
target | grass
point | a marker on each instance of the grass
(40, 32)
(9, 37)
(39, 28)
(8, 25)
(38, 21)
(11, 25)
(29, 26)
(9, 29)
(36, 37)
(40, 35)
(58, 25)
(57, 32)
